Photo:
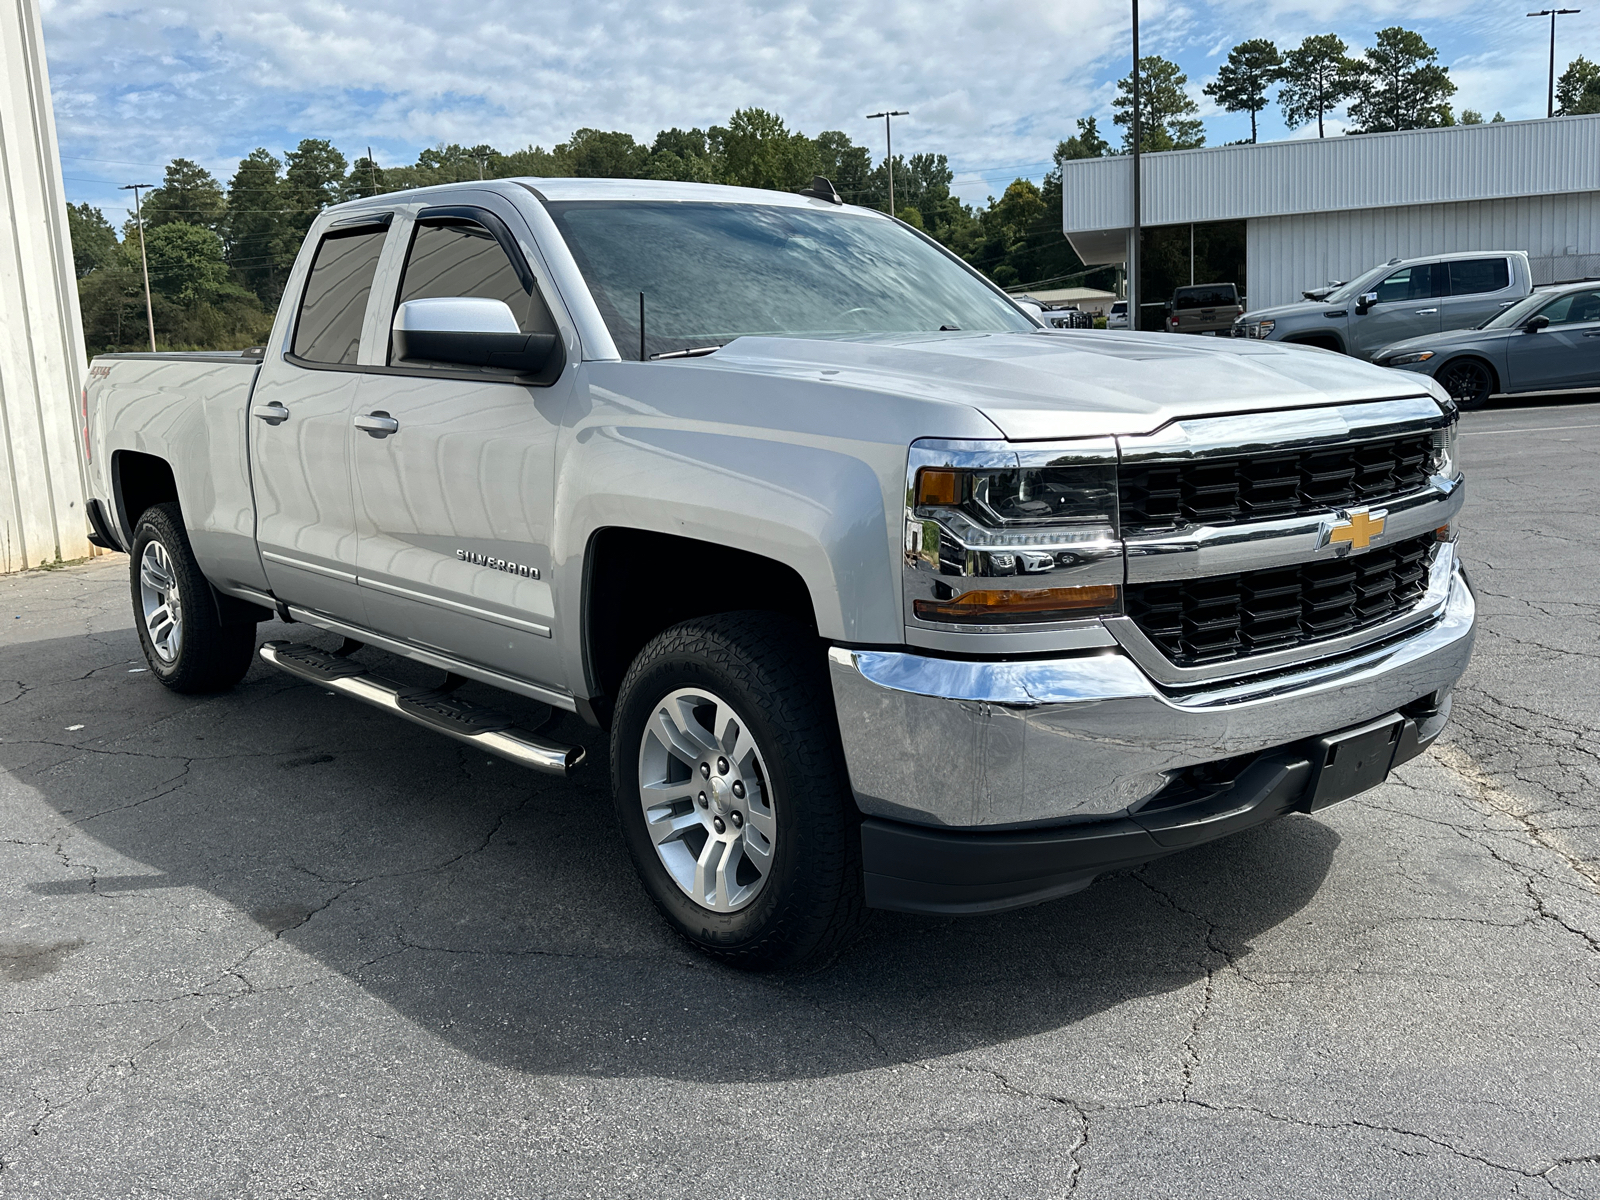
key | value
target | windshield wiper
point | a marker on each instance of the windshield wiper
(695, 352)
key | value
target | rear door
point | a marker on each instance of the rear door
(454, 507)
(300, 435)
(1407, 307)
(1479, 288)
(1565, 353)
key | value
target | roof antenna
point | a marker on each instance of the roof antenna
(643, 357)
(822, 189)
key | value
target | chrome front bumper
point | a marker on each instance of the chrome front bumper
(995, 745)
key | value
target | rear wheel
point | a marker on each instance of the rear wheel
(731, 790)
(185, 642)
(1468, 380)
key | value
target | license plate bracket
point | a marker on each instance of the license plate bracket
(1352, 761)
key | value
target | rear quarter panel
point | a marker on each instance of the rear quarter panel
(192, 412)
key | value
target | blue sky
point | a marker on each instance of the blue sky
(992, 85)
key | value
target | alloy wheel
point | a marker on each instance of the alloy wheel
(161, 604)
(707, 804)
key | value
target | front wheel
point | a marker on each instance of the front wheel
(1469, 382)
(731, 790)
(185, 642)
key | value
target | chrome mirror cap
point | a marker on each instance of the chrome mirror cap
(456, 314)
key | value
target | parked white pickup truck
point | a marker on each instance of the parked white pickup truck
(888, 596)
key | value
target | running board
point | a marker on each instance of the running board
(434, 708)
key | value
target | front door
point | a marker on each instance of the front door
(454, 506)
(1565, 353)
(300, 435)
(1407, 307)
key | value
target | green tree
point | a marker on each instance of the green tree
(1242, 81)
(1402, 85)
(1471, 116)
(366, 178)
(261, 240)
(1317, 76)
(94, 240)
(681, 154)
(1578, 89)
(1086, 143)
(848, 167)
(313, 179)
(757, 149)
(187, 264)
(603, 154)
(189, 194)
(1168, 117)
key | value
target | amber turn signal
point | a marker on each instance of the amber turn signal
(1030, 604)
(938, 487)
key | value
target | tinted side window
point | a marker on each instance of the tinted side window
(1574, 308)
(1473, 275)
(1205, 297)
(460, 258)
(1413, 283)
(328, 326)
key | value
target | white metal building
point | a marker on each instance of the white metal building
(41, 333)
(1323, 209)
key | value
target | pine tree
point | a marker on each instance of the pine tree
(1317, 76)
(1242, 82)
(1168, 116)
(1402, 85)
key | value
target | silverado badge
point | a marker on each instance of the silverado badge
(1351, 529)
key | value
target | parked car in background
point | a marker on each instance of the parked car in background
(1209, 308)
(1066, 316)
(1404, 298)
(1549, 340)
(1117, 318)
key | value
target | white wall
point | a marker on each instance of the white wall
(1289, 254)
(41, 332)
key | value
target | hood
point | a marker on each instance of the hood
(1448, 339)
(1300, 308)
(1077, 383)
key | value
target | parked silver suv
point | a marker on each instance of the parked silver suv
(1403, 298)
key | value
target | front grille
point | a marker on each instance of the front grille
(1165, 495)
(1199, 621)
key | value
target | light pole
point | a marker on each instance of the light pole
(888, 139)
(138, 216)
(1133, 242)
(1553, 13)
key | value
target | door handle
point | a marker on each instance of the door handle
(272, 414)
(379, 424)
(1593, 333)
(1426, 312)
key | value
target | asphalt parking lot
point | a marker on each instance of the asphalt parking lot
(272, 943)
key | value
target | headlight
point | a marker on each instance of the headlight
(1262, 329)
(1442, 457)
(1049, 516)
(1401, 360)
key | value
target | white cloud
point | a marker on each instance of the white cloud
(993, 86)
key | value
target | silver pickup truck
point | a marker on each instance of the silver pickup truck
(887, 596)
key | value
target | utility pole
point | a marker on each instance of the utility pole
(1553, 13)
(888, 139)
(1137, 233)
(138, 216)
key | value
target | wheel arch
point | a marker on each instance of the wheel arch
(1322, 339)
(139, 480)
(637, 583)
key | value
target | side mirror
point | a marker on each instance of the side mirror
(468, 331)
(1535, 323)
(1365, 301)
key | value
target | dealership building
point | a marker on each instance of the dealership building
(1281, 217)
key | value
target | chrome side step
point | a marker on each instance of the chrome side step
(434, 708)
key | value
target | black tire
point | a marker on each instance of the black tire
(209, 656)
(1470, 382)
(772, 672)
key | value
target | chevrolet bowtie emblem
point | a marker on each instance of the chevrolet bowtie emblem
(1352, 529)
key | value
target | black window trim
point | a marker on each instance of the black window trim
(501, 233)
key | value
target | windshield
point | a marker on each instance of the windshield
(1362, 283)
(1518, 312)
(712, 272)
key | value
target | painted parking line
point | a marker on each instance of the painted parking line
(1528, 429)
